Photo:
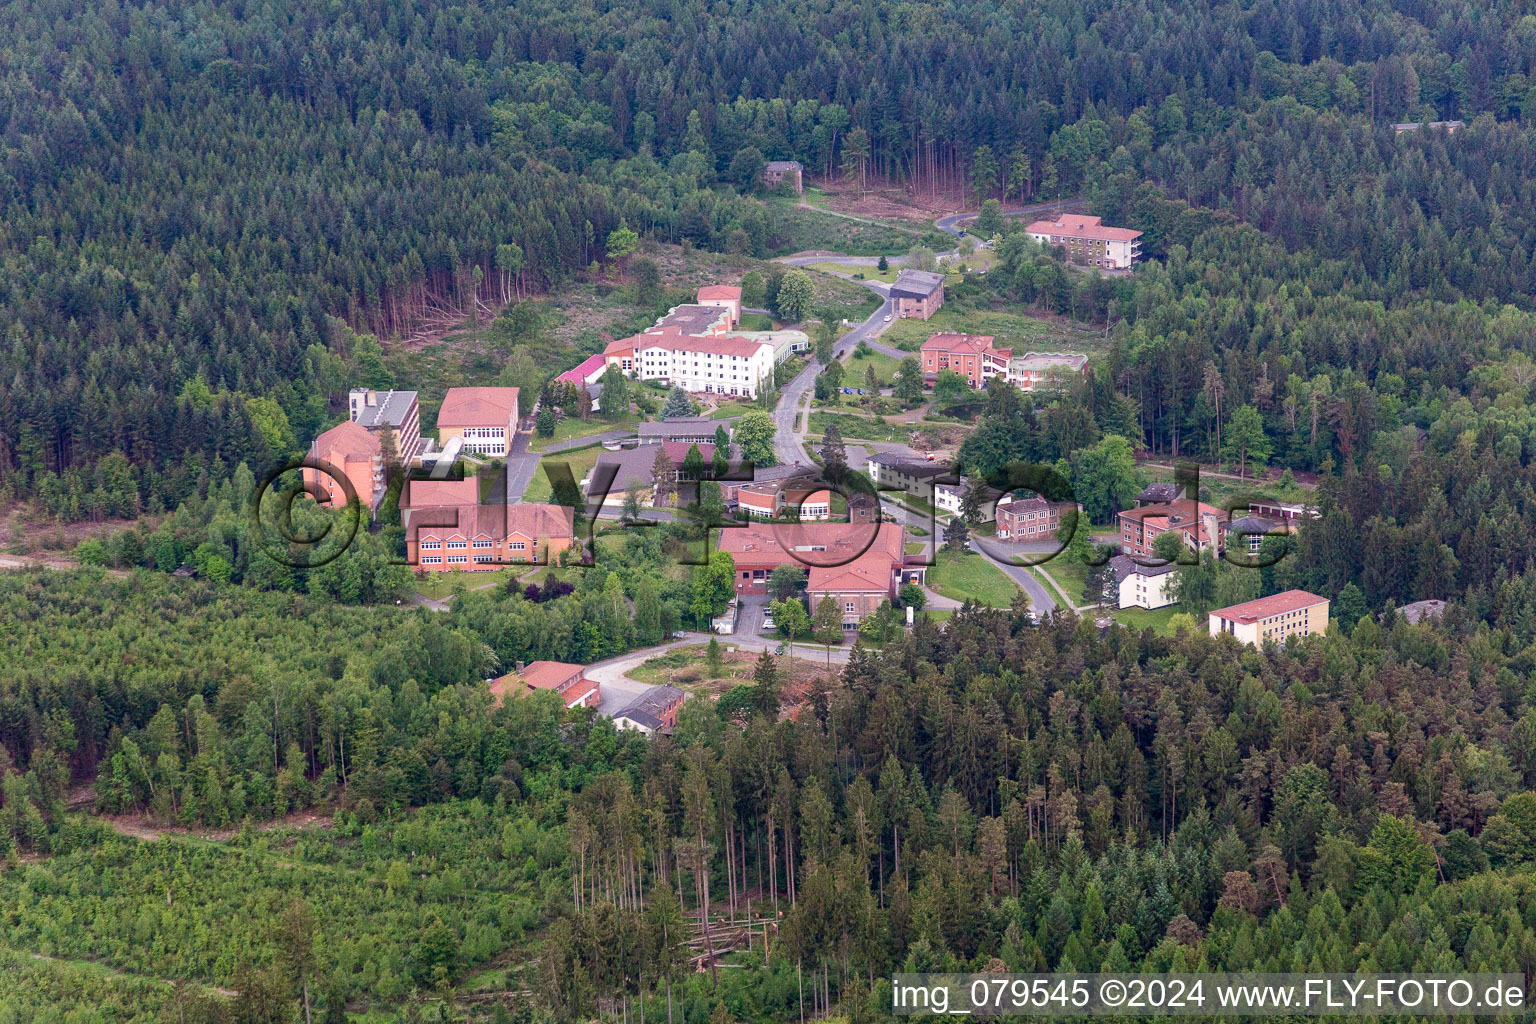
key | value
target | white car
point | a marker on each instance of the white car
(768, 621)
(887, 318)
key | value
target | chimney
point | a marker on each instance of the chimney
(520, 666)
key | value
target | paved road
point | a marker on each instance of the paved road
(951, 224)
(521, 465)
(1040, 598)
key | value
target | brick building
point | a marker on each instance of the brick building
(970, 355)
(1198, 524)
(477, 537)
(357, 455)
(917, 293)
(1024, 519)
(870, 553)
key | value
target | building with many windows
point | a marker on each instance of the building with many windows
(440, 538)
(970, 355)
(1031, 370)
(1142, 586)
(398, 411)
(1293, 613)
(485, 419)
(1088, 242)
(1199, 526)
(1026, 519)
(840, 558)
(714, 365)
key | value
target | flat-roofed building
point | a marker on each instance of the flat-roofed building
(1088, 241)
(894, 471)
(701, 321)
(775, 501)
(398, 411)
(1293, 613)
(917, 293)
(1034, 369)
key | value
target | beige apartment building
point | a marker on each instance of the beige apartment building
(1294, 612)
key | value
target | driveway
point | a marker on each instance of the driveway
(521, 465)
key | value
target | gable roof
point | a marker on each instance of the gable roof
(949, 342)
(423, 493)
(1124, 566)
(525, 519)
(671, 340)
(871, 571)
(815, 542)
(720, 291)
(349, 440)
(651, 704)
(580, 373)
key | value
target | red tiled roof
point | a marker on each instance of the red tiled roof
(475, 407)
(541, 675)
(871, 571)
(623, 346)
(584, 369)
(947, 342)
(1264, 607)
(1188, 510)
(761, 543)
(422, 493)
(720, 291)
(348, 440)
(674, 341)
(1075, 225)
(496, 522)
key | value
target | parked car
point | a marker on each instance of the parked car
(887, 318)
(768, 621)
(779, 649)
(680, 635)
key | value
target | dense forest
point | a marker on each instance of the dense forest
(198, 199)
(989, 791)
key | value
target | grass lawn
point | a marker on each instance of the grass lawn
(855, 270)
(573, 427)
(862, 428)
(727, 410)
(915, 548)
(885, 368)
(1140, 618)
(755, 322)
(581, 460)
(439, 585)
(969, 575)
(1018, 331)
(1068, 574)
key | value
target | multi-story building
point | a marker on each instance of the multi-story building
(948, 498)
(714, 365)
(416, 494)
(1034, 369)
(681, 430)
(917, 293)
(473, 538)
(1142, 586)
(1293, 613)
(826, 549)
(779, 171)
(357, 455)
(1088, 241)
(894, 471)
(775, 501)
(970, 355)
(727, 296)
(655, 710)
(396, 410)
(1199, 526)
(562, 677)
(1026, 519)
(485, 419)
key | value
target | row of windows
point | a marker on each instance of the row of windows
(486, 432)
(434, 545)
